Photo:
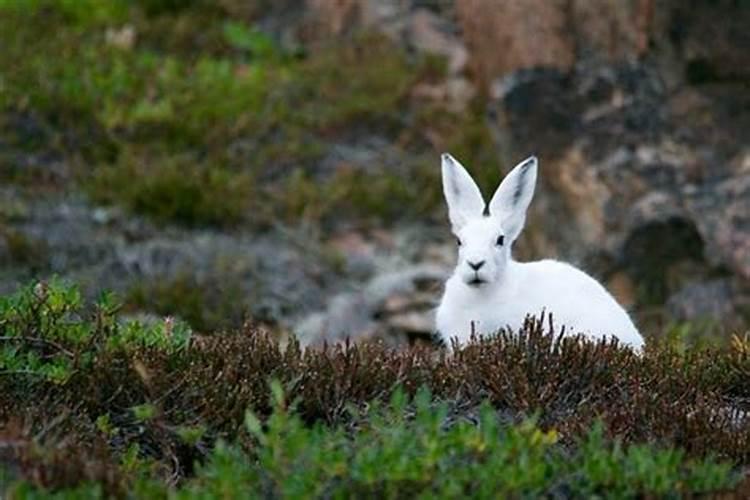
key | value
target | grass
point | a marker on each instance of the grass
(97, 406)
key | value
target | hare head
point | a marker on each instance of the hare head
(486, 231)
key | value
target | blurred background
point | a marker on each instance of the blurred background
(277, 161)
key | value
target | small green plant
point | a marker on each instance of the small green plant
(395, 456)
(47, 331)
(169, 334)
(40, 329)
(258, 44)
(191, 435)
(105, 426)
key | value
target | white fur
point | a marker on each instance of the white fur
(502, 292)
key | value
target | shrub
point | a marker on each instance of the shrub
(47, 332)
(392, 455)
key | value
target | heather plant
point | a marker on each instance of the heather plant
(408, 448)
(143, 407)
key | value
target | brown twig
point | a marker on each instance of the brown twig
(38, 340)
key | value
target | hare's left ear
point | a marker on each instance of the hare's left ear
(513, 196)
(462, 194)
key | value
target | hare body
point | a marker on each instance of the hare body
(489, 291)
(576, 301)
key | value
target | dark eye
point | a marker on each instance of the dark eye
(500, 240)
(458, 241)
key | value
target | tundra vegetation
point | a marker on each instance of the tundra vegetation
(95, 406)
(205, 121)
(162, 131)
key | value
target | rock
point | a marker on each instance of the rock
(275, 276)
(433, 34)
(621, 286)
(711, 300)
(123, 38)
(505, 36)
(331, 17)
(412, 323)
(711, 37)
(721, 211)
(508, 35)
(393, 306)
(454, 93)
(611, 30)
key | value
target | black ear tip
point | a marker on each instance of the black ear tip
(528, 163)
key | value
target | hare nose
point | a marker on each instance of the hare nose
(475, 265)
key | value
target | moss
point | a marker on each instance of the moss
(362, 80)
(206, 98)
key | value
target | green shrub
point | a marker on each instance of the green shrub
(391, 455)
(47, 331)
(174, 189)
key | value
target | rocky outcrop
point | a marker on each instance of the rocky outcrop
(397, 306)
(276, 276)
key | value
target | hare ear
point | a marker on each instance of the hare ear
(512, 198)
(461, 193)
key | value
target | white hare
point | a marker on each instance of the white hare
(489, 290)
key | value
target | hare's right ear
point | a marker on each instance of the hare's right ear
(461, 193)
(513, 196)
